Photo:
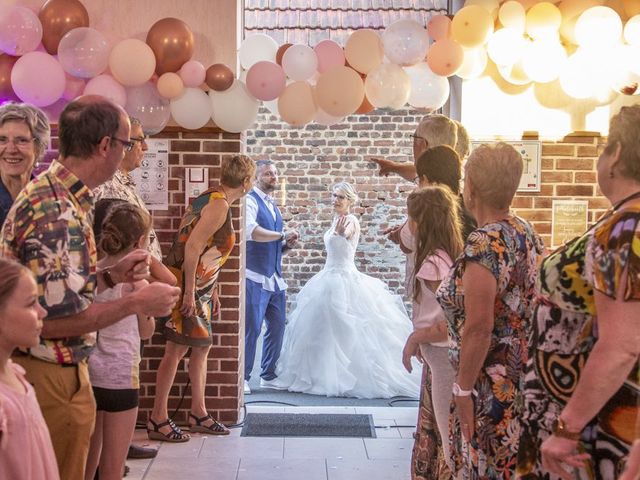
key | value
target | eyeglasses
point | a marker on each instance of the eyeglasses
(19, 142)
(415, 137)
(139, 139)
(128, 146)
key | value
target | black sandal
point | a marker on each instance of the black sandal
(216, 428)
(176, 435)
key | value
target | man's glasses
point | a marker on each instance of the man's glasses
(19, 142)
(128, 146)
(139, 139)
(415, 137)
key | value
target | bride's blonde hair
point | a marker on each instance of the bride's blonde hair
(348, 191)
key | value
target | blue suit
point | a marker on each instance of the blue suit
(264, 258)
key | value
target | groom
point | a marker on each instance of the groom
(265, 287)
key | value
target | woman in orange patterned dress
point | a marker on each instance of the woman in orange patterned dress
(203, 244)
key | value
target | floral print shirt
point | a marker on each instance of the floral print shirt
(49, 230)
(509, 249)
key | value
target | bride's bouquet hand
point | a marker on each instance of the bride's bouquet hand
(341, 225)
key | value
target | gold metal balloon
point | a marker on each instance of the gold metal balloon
(172, 43)
(59, 17)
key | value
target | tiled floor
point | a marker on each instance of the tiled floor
(258, 458)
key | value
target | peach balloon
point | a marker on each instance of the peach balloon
(297, 104)
(365, 106)
(472, 26)
(132, 62)
(170, 85)
(330, 55)
(364, 51)
(172, 43)
(445, 57)
(439, 27)
(340, 91)
(543, 20)
(512, 15)
(570, 11)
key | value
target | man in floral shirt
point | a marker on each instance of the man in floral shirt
(49, 230)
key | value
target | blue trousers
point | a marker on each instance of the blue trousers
(270, 307)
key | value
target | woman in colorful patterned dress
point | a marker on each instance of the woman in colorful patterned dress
(581, 386)
(487, 299)
(204, 241)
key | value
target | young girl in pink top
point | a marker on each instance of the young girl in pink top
(26, 451)
(435, 225)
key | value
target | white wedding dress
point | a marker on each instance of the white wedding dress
(346, 334)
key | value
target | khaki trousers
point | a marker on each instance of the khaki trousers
(66, 400)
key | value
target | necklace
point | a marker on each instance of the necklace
(625, 200)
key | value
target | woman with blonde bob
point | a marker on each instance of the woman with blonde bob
(487, 299)
(203, 244)
(582, 392)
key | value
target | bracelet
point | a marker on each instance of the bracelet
(459, 392)
(106, 276)
(559, 429)
(282, 236)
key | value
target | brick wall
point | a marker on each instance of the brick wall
(313, 158)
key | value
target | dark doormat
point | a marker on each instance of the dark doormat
(308, 425)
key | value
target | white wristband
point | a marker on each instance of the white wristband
(459, 392)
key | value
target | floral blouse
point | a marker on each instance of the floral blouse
(509, 249)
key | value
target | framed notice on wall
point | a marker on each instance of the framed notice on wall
(152, 178)
(531, 153)
(568, 220)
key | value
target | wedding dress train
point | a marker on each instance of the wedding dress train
(346, 333)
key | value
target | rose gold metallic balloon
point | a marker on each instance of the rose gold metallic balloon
(6, 90)
(219, 77)
(280, 53)
(59, 17)
(172, 43)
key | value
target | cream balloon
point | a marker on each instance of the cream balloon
(597, 27)
(474, 63)
(514, 74)
(132, 62)
(513, 15)
(491, 6)
(297, 104)
(256, 48)
(323, 118)
(583, 75)
(571, 10)
(364, 50)
(506, 46)
(387, 86)
(170, 85)
(405, 42)
(192, 109)
(472, 26)
(632, 31)
(340, 91)
(543, 60)
(234, 109)
(428, 90)
(543, 20)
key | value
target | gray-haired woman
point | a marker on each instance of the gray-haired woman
(24, 136)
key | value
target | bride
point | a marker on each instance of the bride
(346, 333)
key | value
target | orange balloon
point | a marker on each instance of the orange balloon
(445, 57)
(365, 106)
(219, 77)
(280, 52)
(172, 43)
(59, 17)
(6, 90)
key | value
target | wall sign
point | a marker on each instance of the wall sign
(152, 178)
(569, 219)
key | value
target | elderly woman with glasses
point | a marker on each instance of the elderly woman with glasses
(24, 136)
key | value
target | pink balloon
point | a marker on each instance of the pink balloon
(329, 54)
(73, 88)
(108, 87)
(193, 74)
(266, 80)
(439, 27)
(38, 78)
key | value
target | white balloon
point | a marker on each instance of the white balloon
(428, 90)
(235, 109)
(506, 46)
(387, 86)
(405, 42)
(474, 63)
(543, 60)
(632, 30)
(256, 48)
(598, 27)
(299, 62)
(192, 109)
(585, 74)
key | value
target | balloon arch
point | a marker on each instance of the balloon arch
(592, 49)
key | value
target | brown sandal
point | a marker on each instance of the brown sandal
(216, 428)
(176, 435)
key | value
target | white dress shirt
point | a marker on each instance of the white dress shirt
(251, 216)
